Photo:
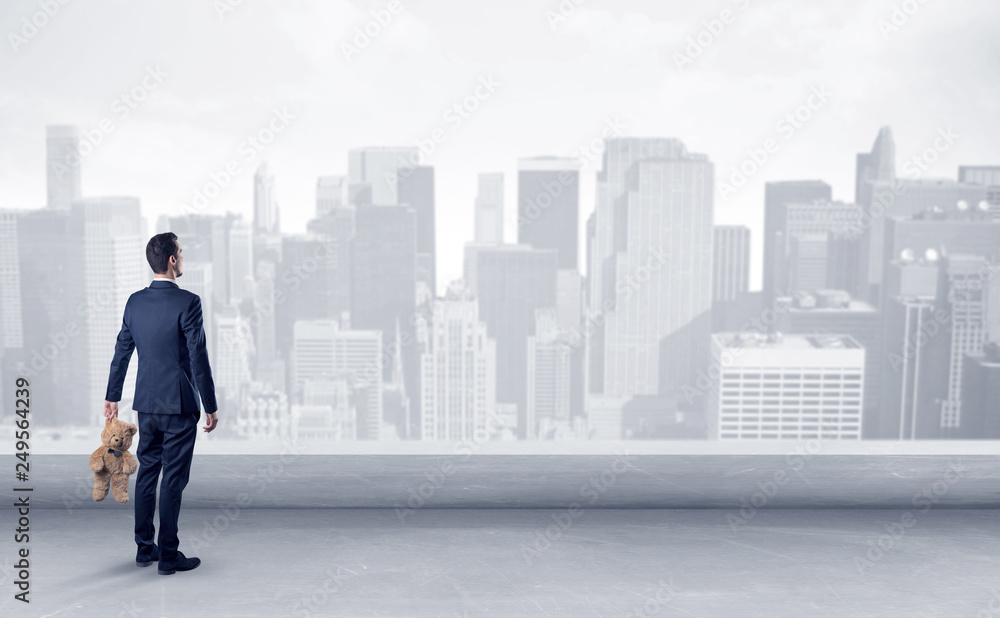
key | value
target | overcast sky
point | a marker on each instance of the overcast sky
(215, 77)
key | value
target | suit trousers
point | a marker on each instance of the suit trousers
(166, 442)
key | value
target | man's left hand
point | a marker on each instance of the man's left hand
(110, 410)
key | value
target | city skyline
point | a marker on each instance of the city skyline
(655, 306)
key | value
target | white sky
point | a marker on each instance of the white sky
(557, 88)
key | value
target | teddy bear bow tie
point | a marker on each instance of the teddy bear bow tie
(117, 453)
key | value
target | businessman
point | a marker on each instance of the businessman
(164, 323)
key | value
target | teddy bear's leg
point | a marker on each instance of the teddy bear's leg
(119, 487)
(101, 484)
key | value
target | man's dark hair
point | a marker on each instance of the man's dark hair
(158, 251)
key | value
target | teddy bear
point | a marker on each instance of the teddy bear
(112, 463)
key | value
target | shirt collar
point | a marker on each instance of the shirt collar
(174, 281)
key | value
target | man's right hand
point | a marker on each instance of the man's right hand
(211, 420)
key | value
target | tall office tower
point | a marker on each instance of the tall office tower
(113, 268)
(458, 372)
(234, 352)
(807, 262)
(331, 194)
(329, 412)
(323, 351)
(835, 312)
(52, 310)
(980, 392)
(786, 387)
(383, 258)
(62, 165)
(731, 265)
(777, 196)
(796, 218)
(915, 370)
(904, 198)
(264, 319)
(384, 288)
(569, 313)
(241, 262)
(659, 276)
(549, 374)
(969, 298)
(266, 218)
(416, 189)
(606, 233)
(11, 326)
(313, 277)
(489, 209)
(879, 165)
(915, 364)
(548, 206)
(382, 167)
(511, 282)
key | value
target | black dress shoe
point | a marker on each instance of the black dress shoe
(180, 564)
(144, 560)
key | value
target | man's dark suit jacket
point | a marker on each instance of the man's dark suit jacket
(164, 322)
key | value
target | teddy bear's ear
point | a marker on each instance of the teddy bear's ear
(132, 429)
(107, 421)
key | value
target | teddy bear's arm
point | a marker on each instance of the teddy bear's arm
(130, 465)
(97, 460)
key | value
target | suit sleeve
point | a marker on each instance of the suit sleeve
(119, 364)
(194, 332)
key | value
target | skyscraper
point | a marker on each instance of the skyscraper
(53, 311)
(458, 372)
(113, 267)
(241, 261)
(915, 370)
(656, 279)
(265, 205)
(548, 206)
(416, 190)
(964, 295)
(384, 289)
(62, 168)
(511, 282)
(777, 197)
(489, 209)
